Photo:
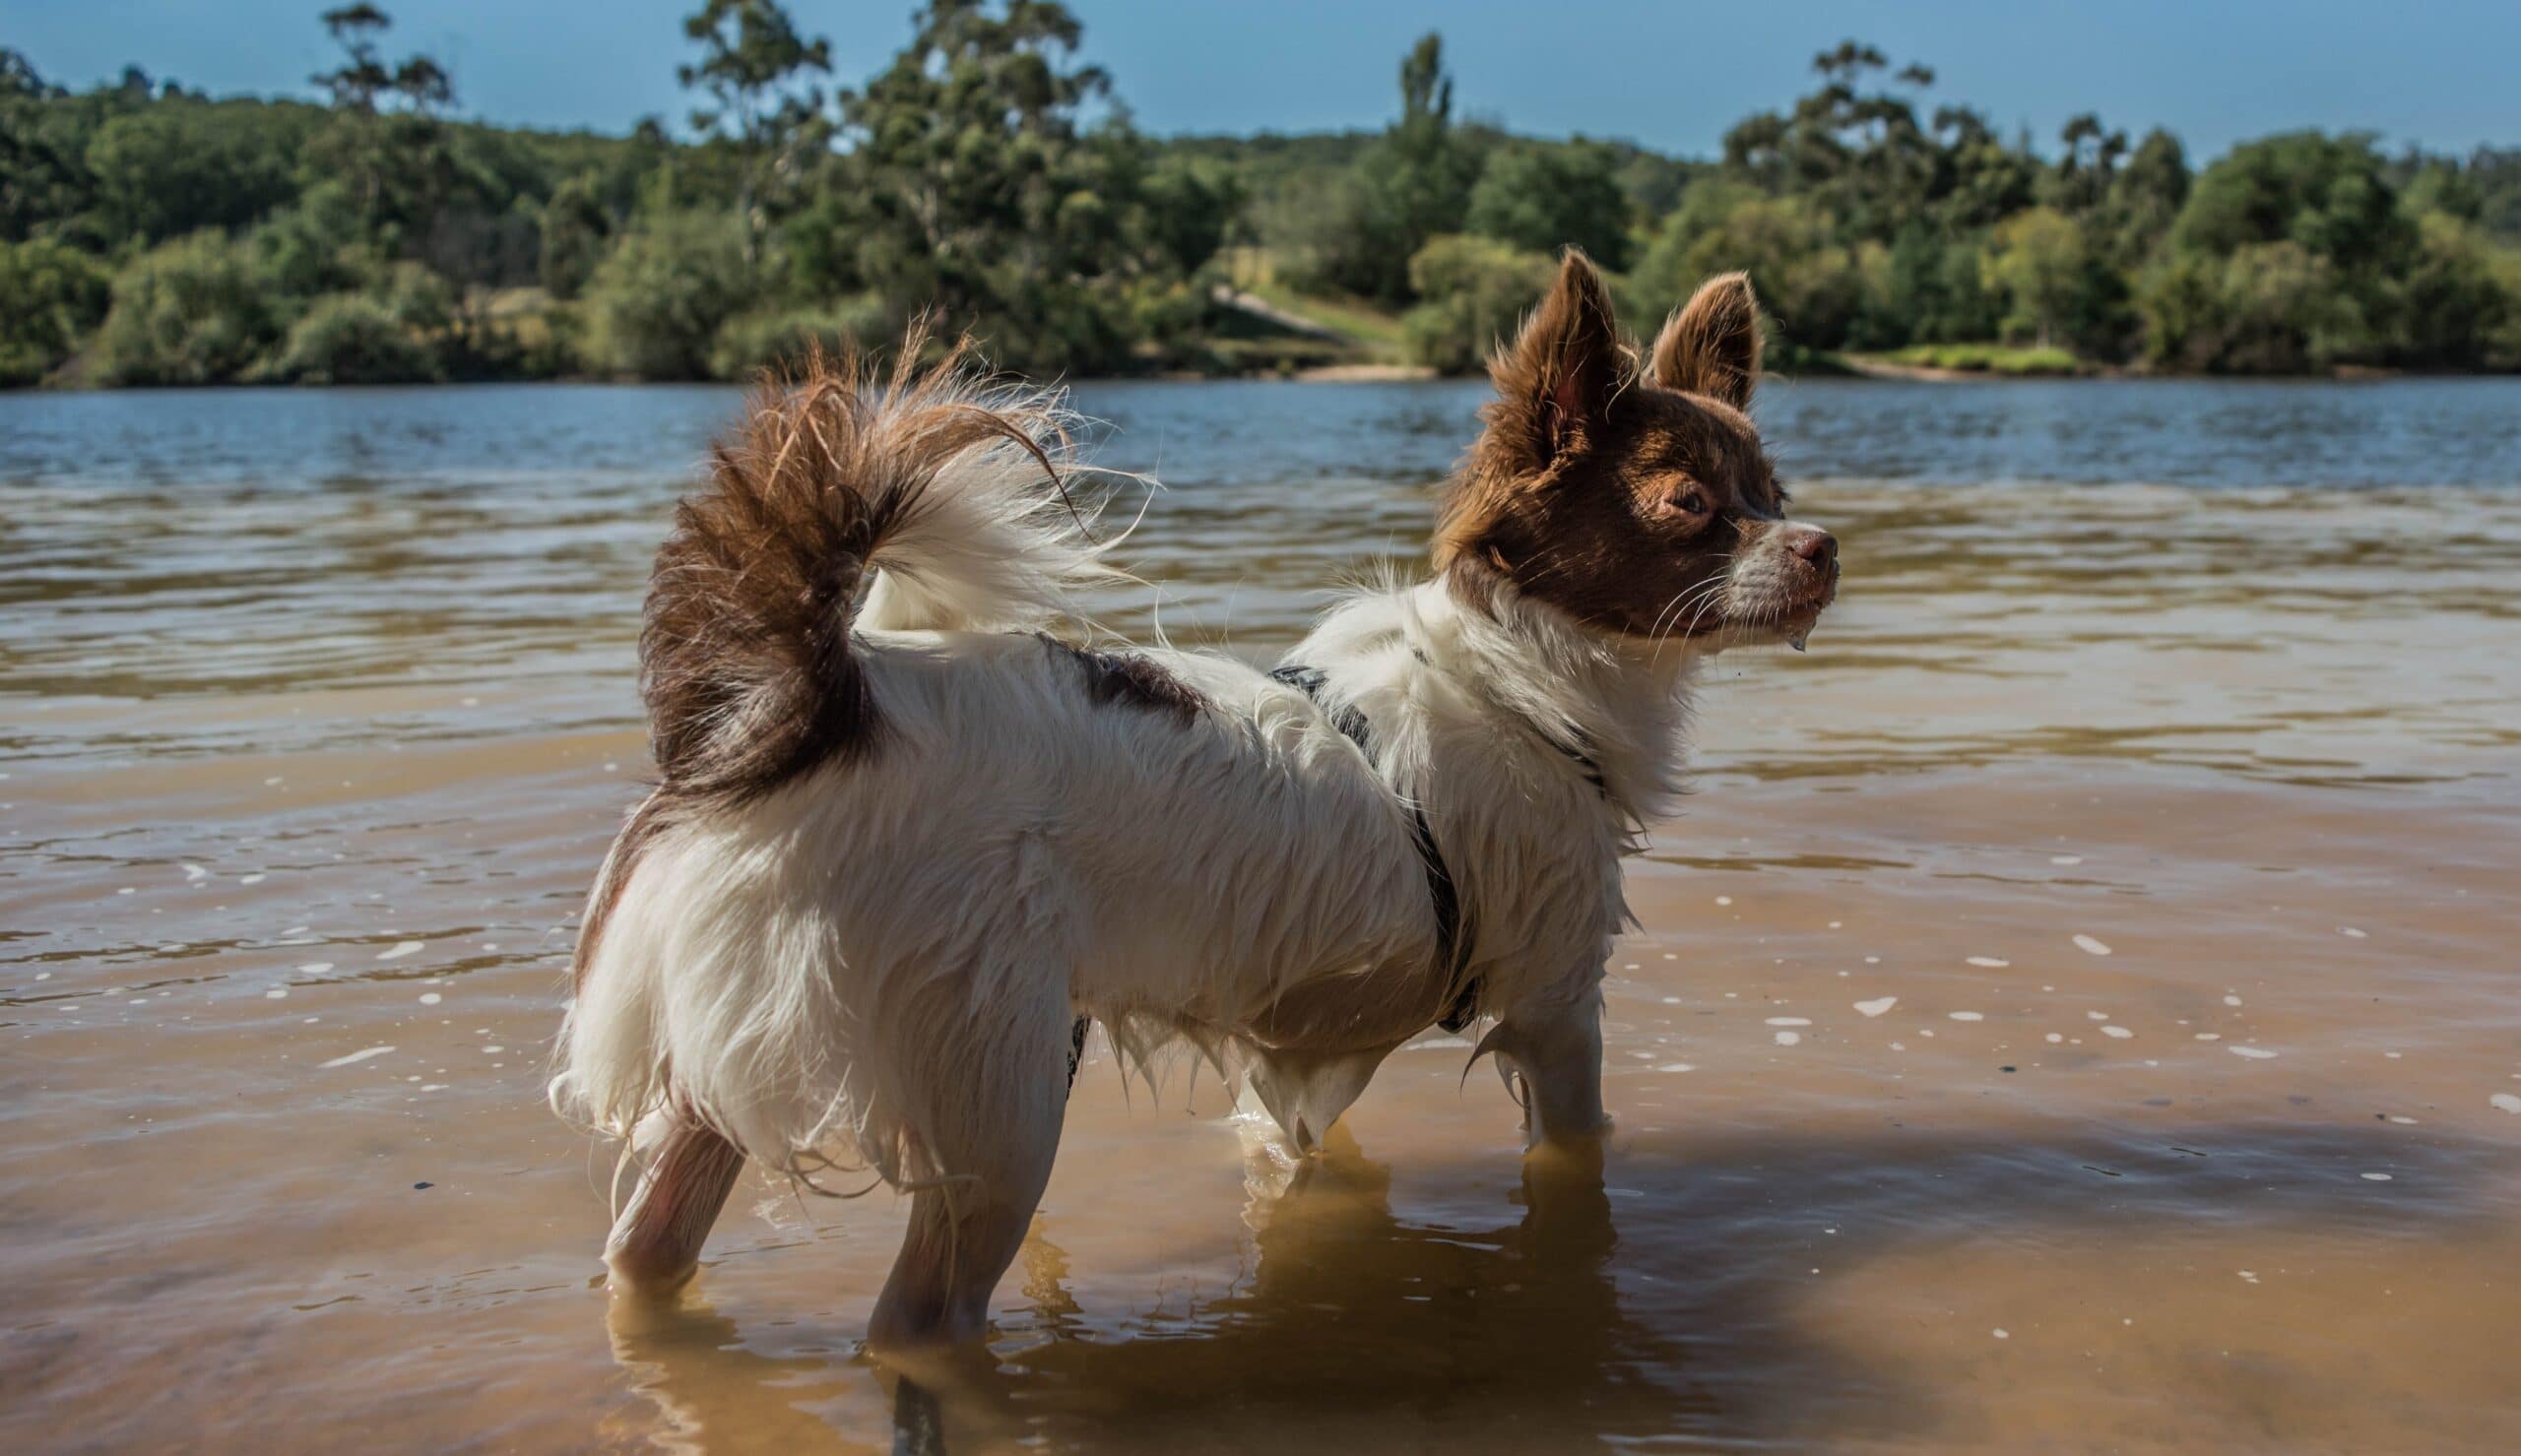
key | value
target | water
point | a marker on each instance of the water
(316, 713)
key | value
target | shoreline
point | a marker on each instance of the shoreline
(1849, 368)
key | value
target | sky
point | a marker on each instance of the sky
(1669, 74)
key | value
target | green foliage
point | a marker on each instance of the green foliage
(575, 228)
(351, 338)
(50, 295)
(2036, 261)
(1545, 198)
(1811, 284)
(988, 175)
(1476, 290)
(195, 311)
(772, 337)
(657, 301)
(976, 186)
(182, 165)
(1407, 186)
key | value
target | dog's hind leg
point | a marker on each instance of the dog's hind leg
(993, 1130)
(686, 1171)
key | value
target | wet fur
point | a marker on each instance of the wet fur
(906, 836)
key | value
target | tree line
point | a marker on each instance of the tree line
(150, 234)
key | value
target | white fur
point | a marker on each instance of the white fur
(879, 962)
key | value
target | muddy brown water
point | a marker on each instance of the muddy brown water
(2077, 1009)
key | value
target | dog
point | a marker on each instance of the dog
(907, 843)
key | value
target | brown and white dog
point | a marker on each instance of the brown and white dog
(906, 843)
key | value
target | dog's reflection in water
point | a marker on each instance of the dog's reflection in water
(1353, 1325)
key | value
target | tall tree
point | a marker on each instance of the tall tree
(755, 67)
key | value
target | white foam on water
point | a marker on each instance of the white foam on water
(1968, 1016)
(316, 968)
(2232, 1000)
(2504, 1101)
(1877, 1005)
(401, 948)
(2376, 1177)
(1724, 900)
(1989, 962)
(356, 1058)
(2065, 859)
(2351, 933)
(2091, 947)
(1790, 1021)
(2118, 1032)
(2096, 1015)
(194, 873)
(255, 878)
(2002, 1334)
(2054, 1038)
(2254, 1053)
(276, 993)
(1789, 1038)
(2208, 1037)
(1676, 1066)
(430, 999)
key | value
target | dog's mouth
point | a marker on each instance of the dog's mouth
(1786, 617)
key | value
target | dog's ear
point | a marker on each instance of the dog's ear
(1712, 346)
(1559, 381)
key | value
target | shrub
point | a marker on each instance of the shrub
(658, 300)
(765, 339)
(1541, 197)
(349, 338)
(191, 311)
(1477, 290)
(49, 295)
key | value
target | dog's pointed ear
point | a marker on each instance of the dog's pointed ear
(1712, 346)
(1558, 382)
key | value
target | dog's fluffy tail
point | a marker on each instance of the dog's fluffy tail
(908, 497)
(919, 498)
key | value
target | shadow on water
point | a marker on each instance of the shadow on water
(1665, 1297)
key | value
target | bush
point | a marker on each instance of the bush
(1812, 287)
(192, 311)
(766, 339)
(2268, 308)
(658, 300)
(1477, 290)
(49, 295)
(349, 339)
(1542, 197)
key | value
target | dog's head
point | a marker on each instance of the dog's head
(1636, 498)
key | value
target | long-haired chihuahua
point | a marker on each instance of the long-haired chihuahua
(907, 845)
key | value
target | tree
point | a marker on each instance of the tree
(1543, 197)
(753, 67)
(49, 297)
(978, 182)
(1413, 184)
(2037, 261)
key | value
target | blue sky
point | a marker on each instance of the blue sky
(1672, 75)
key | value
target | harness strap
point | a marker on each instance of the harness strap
(1453, 947)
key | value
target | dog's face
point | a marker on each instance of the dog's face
(1638, 500)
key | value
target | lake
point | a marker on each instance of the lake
(2075, 1009)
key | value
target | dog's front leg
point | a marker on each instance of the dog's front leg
(1556, 1054)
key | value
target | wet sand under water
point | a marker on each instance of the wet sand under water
(2077, 1010)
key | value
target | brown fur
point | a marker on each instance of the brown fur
(1620, 499)
(1133, 680)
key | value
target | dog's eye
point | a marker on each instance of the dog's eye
(1686, 501)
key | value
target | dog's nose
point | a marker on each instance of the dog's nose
(1816, 546)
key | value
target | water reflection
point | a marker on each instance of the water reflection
(1669, 1300)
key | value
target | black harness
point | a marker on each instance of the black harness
(1453, 937)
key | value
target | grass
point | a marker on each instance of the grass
(2012, 361)
(1376, 330)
